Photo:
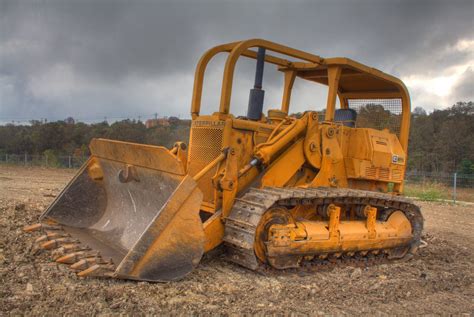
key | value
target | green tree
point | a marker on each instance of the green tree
(466, 167)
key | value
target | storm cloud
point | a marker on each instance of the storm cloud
(117, 59)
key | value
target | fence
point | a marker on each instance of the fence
(440, 186)
(423, 185)
(60, 161)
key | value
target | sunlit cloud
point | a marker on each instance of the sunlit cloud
(440, 87)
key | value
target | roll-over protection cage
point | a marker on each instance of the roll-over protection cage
(381, 100)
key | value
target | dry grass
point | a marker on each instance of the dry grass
(431, 191)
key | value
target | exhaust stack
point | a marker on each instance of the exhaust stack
(257, 94)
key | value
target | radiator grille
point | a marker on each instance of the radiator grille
(204, 146)
(378, 113)
(370, 172)
(396, 175)
(384, 173)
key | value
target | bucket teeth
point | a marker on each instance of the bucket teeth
(56, 243)
(87, 262)
(98, 270)
(75, 257)
(68, 248)
(64, 249)
(41, 227)
(50, 236)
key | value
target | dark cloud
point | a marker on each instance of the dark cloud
(92, 59)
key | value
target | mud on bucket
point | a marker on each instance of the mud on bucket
(136, 206)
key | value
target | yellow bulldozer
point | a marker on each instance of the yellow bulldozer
(276, 190)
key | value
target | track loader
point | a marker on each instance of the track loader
(277, 190)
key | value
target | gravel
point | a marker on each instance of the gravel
(437, 281)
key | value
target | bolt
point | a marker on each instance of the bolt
(312, 147)
(330, 132)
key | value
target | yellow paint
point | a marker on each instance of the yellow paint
(290, 151)
(310, 237)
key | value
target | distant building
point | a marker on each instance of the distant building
(158, 122)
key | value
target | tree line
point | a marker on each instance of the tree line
(69, 138)
(443, 140)
(440, 141)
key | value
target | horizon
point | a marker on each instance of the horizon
(144, 117)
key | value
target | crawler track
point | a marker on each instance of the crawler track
(241, 225)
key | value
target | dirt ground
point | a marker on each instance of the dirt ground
(439, 280)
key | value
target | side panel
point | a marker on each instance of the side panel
(375, 155)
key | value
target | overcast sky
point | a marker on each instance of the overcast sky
(114, 59)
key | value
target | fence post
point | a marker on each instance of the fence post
(454, 186)
(25, 158)
(69, 161)
(6, 158)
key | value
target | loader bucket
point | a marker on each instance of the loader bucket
(134, 207)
